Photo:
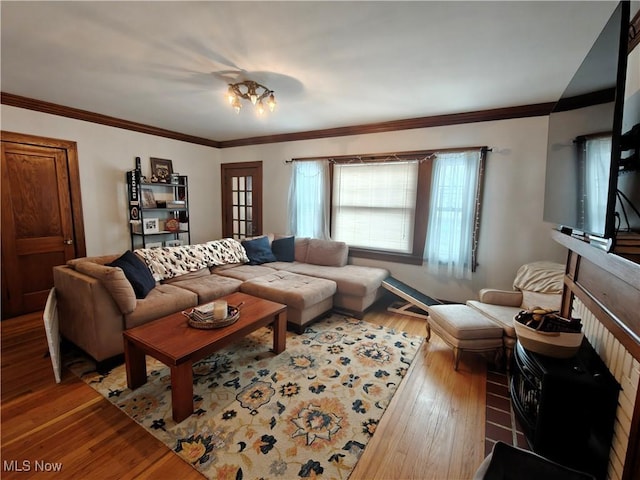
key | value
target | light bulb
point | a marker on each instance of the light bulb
(254, 98)
(271, 102)
(237, 105)
(260, 108)
(230, 95)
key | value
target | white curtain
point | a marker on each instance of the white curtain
(452, 213)
(309, 199)
(596, 184)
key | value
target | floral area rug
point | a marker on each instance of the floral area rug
(308, 412)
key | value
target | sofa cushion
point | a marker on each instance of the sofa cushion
(259, 251)
(100, 260)
(327, 252)
(245, 272)
(210, 287)
(136, 272)
(301, 247)
(114, 280)
(161, 301)
(297, 291)
(351, 279)
(284, 249)
(463, 323)
(203, 272)
(500, 314)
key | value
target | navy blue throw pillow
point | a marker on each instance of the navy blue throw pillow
(259, 251)
(137, 273)
(284, 249)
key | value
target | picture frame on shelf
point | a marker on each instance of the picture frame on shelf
(172, 225)
(161, 170)
(148, 199)
(151, 225)
(173, 243)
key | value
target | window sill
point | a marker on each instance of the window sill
(407, 258)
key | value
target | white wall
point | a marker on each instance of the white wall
(512, 231)
(105, 154)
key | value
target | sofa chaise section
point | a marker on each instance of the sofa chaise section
(307, 298)
(358, 287)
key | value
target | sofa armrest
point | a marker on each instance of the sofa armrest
(508, 298)
(88, 315)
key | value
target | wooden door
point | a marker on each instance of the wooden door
(241, 199)
(41, 218)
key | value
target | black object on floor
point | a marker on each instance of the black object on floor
(507, 462)
(416, 300)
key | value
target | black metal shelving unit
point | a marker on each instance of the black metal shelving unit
(151, 205)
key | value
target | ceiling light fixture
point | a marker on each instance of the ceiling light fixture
(253, 92)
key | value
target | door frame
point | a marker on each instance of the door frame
(71, 150)
(257, 199)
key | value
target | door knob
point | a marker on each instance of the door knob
(68, 241)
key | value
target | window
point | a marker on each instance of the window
(596, 158)
(382, 205)
(368, 196)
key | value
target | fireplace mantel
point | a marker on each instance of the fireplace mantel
(609, 286)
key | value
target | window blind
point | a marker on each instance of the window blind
(374, 204)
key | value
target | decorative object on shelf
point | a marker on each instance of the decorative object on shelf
(172, 225)
(150, 225)
(253, 92)
(148, 199)
(175, 179)
(176, 204)
(173, 243)
(134, 213)
(161, 170)
(154, 244)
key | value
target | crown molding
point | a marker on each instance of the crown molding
(522, 111)
(76, 113)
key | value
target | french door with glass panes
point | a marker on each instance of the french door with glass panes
(241, 199)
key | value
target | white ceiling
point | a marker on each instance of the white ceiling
(331, 64)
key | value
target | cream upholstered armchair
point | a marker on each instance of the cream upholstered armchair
(537, 284)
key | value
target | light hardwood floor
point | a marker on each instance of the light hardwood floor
(433, 428)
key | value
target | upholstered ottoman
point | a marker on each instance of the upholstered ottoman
(307, 298)
(463, 328)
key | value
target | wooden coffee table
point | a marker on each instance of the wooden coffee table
(173, 342)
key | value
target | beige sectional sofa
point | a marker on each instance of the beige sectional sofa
(96, 302)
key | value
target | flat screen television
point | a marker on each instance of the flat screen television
(584, 142)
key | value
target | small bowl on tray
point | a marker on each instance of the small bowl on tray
(233, 313)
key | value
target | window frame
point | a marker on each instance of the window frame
(422, 201)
